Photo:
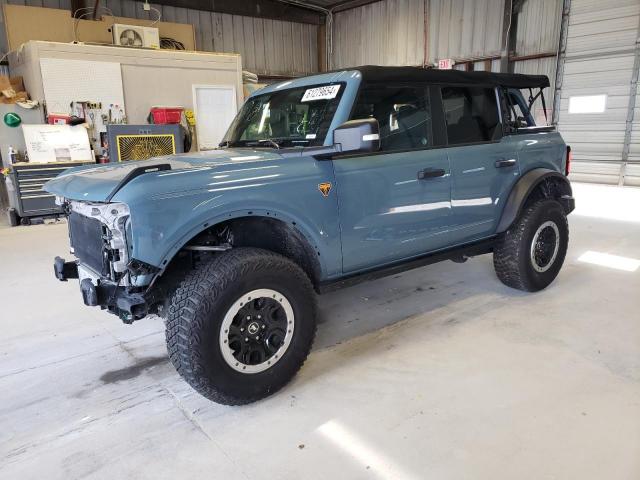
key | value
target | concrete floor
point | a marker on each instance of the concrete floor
(439, 373)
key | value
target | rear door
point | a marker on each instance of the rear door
(484, 163)
(394, 204)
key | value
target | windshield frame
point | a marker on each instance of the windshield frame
(331, 109)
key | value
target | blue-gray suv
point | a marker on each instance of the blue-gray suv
(320, 182)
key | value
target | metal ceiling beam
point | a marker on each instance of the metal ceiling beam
(253, 8)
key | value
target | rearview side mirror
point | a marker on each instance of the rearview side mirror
(357, 136)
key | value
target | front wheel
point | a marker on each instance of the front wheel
(529, 255)
(241, 325)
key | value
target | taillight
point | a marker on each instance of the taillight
(567, 167)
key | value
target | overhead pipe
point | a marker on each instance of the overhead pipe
(328, 23)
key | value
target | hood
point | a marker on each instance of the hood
(97, 183)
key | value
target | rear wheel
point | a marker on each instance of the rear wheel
(241, 325)
(529, 255)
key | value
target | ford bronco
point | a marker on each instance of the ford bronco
(320, 182)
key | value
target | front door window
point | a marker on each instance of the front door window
(403, 113)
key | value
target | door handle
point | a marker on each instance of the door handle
(502, 163)
(430, 173)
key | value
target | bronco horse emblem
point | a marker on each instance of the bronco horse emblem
(324, 188)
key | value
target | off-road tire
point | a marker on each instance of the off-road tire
(196, 313)
(511, 256)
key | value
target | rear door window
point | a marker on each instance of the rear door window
(403, 113)
(471, 114)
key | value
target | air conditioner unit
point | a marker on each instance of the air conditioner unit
(135, 36)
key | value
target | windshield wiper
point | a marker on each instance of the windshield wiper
(271, 141)
(260, 143)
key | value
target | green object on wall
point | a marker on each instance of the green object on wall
(12, 119)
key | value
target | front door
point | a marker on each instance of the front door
(394, 204)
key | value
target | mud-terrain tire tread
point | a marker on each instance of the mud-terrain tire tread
(192, 304)
(511, 252)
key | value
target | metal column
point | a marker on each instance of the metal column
(633, 89)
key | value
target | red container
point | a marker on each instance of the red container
(166, 115)
(58, 119)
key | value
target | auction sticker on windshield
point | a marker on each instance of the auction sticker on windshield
(321, 93)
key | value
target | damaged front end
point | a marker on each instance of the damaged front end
(100, 238)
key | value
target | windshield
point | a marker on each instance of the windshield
(296, 117)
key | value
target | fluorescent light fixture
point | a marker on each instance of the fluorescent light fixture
(587, 104)
(355, 447)
(611, 261)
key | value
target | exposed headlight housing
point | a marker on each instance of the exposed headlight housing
(115, 217)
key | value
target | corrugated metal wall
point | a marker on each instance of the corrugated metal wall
(268, 47)
(464, 29)
(382, 33)
(539, 27)
(538, 32)
(599, 60)
(392, 32)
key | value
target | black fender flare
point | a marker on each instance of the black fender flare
(523, 188)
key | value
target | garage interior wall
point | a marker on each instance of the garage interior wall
(390, 32)
(606, 145)
(601, 59)
(268, 47)
(409, 32)
(539, 24)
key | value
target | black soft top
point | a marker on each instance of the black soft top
(378, 74)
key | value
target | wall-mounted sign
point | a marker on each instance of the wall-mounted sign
(445, 64)
(57, 143)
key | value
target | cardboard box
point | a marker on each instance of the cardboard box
(12, 90)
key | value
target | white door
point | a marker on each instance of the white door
(214, 108)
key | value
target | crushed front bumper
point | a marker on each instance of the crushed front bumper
(100, 292)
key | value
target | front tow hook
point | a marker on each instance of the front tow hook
(64, 270)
